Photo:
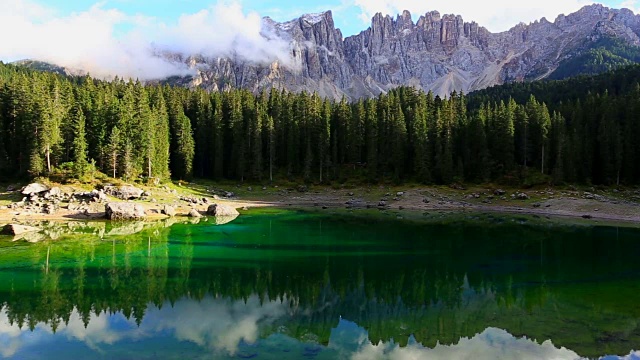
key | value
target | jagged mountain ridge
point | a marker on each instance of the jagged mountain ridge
(438, 53)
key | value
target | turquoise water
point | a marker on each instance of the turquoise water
(278, 284)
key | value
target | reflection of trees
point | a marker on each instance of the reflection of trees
(456, 290)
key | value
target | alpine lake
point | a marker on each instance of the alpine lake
(293, 284)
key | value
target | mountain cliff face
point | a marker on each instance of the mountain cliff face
(438, 53)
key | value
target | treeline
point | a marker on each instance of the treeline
(137, 132)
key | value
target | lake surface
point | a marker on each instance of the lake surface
(278, 284)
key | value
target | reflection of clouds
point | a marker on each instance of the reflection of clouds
(222, 325)
(491, 344)
(10, 340)
(214, 324)
(217, 324)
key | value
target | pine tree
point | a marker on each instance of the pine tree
(113, 147)
(80, 163)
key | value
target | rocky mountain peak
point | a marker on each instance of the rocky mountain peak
(442, 53)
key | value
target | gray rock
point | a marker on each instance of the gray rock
(222, 210)
(195, 214)
(34, 188)
(127, 192)
(400, 193)
(124, 211)
(169, 211)
(441, 53)
(15, 229)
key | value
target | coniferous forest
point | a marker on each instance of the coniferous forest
(553, 132)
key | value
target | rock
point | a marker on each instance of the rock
(11, 188)
(400, 193)
(169, 211)
(222, 210)
(229, 194)
(124, 192)
(302, 188)
(249, 188)
(15, 229)
(426, 201)
(34, 188)
(499, 192)
(124, 211)
(537, 205)
(587, 217)
(522, 196)
(382, 204)
(195, 214)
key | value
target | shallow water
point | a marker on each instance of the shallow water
(278, 284)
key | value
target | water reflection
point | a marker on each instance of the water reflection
(295, 285)
(226, 328)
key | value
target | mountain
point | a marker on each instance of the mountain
(438, 53)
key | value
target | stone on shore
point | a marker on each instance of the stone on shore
(169, 211)
(222, 210)
(127, 192)
(124, 211)
(34, 188)
(195, 214)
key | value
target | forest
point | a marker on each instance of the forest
(581, 130)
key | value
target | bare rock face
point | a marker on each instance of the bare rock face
(124, 211)
(15, 229)
(124, 192)
(439, 53)
(220, 210)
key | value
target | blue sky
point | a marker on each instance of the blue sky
(350, 15)
(123, 37)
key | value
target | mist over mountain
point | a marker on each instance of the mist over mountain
(441, 53)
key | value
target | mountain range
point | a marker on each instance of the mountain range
(441, 53)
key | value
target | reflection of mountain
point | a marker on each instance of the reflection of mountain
(398, 280)
(228, 328)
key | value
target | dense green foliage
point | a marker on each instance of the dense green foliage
(604, 55)
(537, 134)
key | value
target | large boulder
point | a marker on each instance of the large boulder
(34, 188)
(195, 214)
(169, 211)
(124, 211)
(127, 192)
(15, 229)
(218, 210)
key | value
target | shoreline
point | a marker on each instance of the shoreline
(569, 206)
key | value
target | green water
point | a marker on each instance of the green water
(276, 284)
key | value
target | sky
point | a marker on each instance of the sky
(120, 37)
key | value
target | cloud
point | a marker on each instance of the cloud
(94, 40)
(495, 15)
(633, 5)
(491, 344)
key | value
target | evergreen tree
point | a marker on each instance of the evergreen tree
(80, 163)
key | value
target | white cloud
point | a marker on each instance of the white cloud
(495, 15)
(90, 40)
(633, 5)
(491, 344)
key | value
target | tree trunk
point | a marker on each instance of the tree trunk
(542, 158)
(48, 159)
(271, 165)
